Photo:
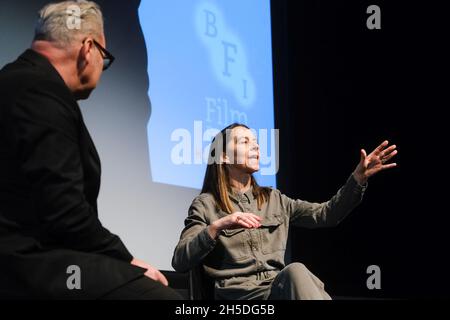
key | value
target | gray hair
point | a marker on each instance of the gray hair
(67, 21)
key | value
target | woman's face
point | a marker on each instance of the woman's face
(243, 150)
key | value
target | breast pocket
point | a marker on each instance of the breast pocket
(235, 244)
(274, 232)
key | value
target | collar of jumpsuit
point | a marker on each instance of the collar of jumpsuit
(243, 197)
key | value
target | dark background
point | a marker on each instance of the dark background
(340, 87)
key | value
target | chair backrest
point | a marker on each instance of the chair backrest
(201, 287)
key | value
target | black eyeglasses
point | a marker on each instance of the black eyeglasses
(108, 58)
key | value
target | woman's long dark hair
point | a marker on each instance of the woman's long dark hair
(217, 181)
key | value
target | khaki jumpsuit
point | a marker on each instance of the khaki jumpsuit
(249, 263)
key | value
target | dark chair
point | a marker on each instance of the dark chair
(201, 287)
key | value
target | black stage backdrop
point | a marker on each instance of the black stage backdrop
(341, 87)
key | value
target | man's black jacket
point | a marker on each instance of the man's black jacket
(49, 183)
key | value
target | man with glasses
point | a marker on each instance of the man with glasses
(52, 244)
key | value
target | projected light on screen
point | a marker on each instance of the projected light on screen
(209, 65)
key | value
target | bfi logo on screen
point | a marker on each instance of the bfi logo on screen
(232, 70)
